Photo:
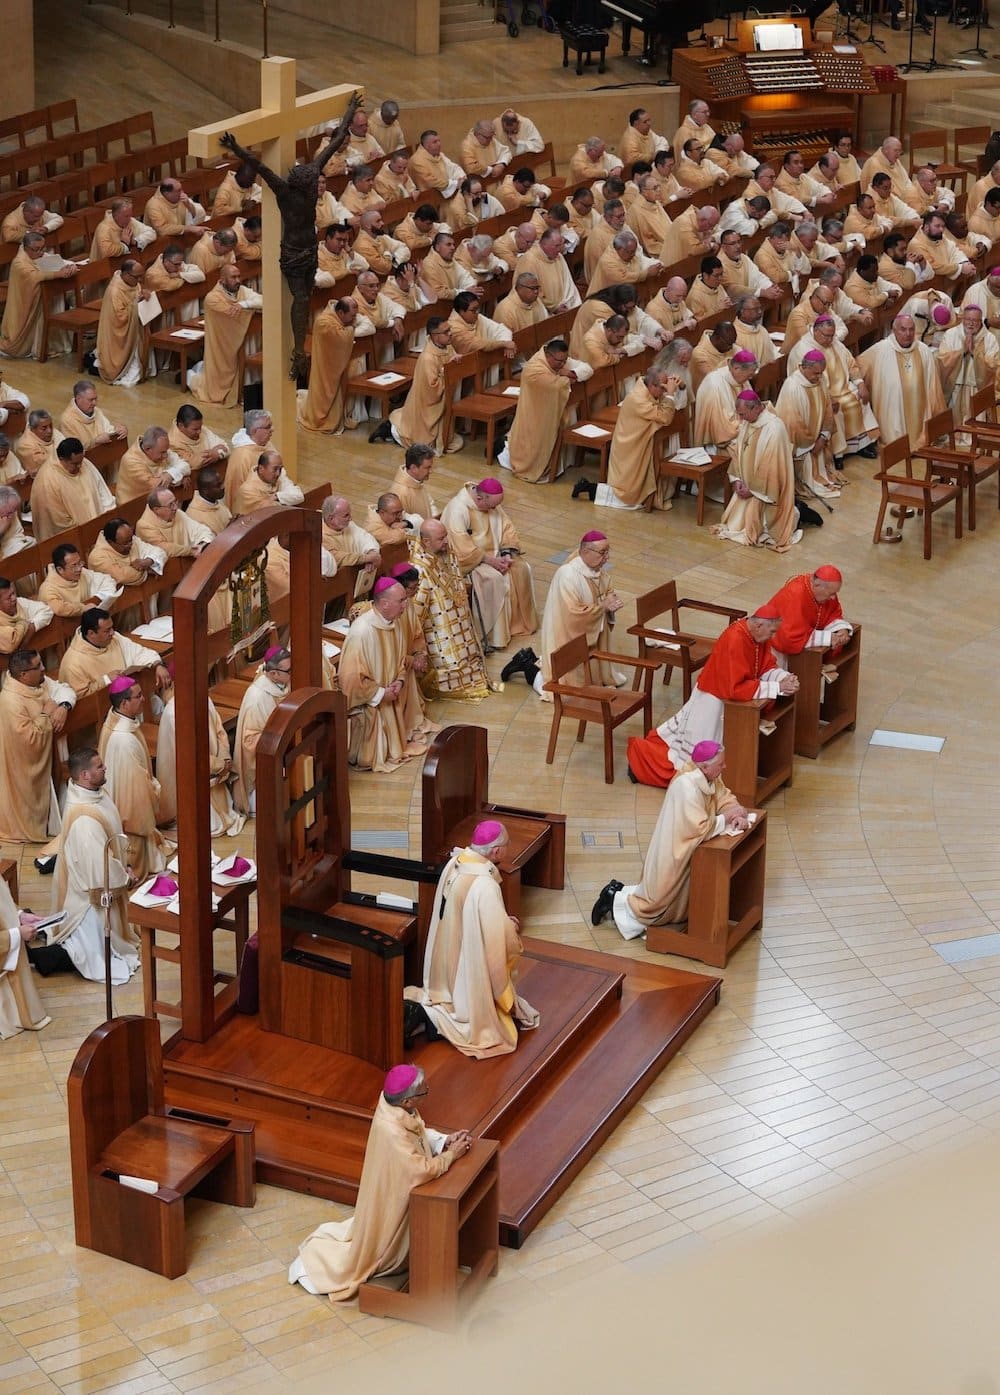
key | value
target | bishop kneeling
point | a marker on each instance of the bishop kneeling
(469, 994)
(401, 1153)
(697, 806)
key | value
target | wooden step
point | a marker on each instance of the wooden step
(608, 1026)
(577, 1109)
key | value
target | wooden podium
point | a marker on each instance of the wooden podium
(823, 710)
(727, 898)
(758, 765)
(454, 1246)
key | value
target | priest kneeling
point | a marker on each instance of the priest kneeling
(470, 963)
(402, 1153)
(697, 806)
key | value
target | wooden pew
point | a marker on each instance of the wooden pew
(118, 1126)
(454, 1249)
(758, 765)
(727, 898)
(823, 710)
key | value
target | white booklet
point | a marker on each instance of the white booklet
(149, 309)
(188, 334)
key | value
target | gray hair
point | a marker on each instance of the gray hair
(151, 435)
(254, 418)
(482, 242)
(593, 143)
(411, 1090)
(625, 240)
(8, 496)
(39, 414)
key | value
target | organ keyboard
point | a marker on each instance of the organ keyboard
(795, 99)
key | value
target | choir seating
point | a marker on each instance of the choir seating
(119, 1128)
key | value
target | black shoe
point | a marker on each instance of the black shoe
(604, 902)
(413, 1022)
(49, 959)
(46, 865)
(382, 432)
(868, 453)
(808, 517)
(894, 23)
(631, 775)
(921, 24)
(520, 663)
(588, 487)
(838, 462)
(498, 446)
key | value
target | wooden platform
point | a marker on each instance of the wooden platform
(609, 1026)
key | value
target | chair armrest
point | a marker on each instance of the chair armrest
(623, 659)
(682, 641)
(585, 690)
(943, 454)
(729, 610)
(908, 480)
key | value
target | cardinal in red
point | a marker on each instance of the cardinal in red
(741, 667)
(811, 615)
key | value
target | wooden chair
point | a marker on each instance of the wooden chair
(589, 702)
(935, 142)
(967, 468)
(907, 491)
(688, 652)
(486, 406)
(118, 1127)
(86, 287)
(455, 797)
(962, 136)
(715, 469)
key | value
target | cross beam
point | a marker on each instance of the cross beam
(273, 128)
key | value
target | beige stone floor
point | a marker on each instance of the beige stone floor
(845, 1043)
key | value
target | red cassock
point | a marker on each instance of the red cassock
(732, 674)
(801, 613)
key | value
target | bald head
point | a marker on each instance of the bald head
(434, 536)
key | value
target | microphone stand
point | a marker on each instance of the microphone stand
(909, 64)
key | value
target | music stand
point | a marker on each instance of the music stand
(932, 65)
(870, 36)
(978, 50)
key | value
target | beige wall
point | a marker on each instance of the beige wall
(413, 25)
(17, 91)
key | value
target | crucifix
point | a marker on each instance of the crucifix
(286, 281)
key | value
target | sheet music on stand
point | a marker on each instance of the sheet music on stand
(777, 38)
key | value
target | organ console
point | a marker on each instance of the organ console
(793, 98)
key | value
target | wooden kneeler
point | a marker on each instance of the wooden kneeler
(822, 709)
(454, 1244)
(118, 1126)
(727, 898)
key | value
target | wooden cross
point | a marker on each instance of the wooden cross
(273, 128)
